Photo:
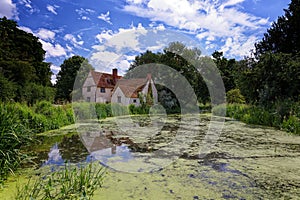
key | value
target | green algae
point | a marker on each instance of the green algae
(246, 162)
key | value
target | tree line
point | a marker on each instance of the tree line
(271, 74)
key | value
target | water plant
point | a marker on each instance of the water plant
(70, 182)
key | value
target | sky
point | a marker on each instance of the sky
(110, 33)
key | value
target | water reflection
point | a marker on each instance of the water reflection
(89, 147)
(54, 156)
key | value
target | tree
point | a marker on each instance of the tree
(21, 61)
(284, 35)
(67, 75)
(183, 61)
(226, 68)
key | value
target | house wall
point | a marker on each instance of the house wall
(89, 82)
(125, 101)
(103, 97)
(95, 94)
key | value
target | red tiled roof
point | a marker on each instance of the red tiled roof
(104, 79)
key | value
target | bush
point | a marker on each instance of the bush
(235, 96)
(292, 124)
(263, 116)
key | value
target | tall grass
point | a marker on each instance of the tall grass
(18, 125)
(69, 183)
(280, 115)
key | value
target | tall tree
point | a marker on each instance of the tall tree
(67, 75)
(283, 36)
(21, 60)
(226, 68)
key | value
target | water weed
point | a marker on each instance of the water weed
(71, 182)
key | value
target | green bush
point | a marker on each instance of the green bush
(235, 96)
(292, 124)
(265, 116)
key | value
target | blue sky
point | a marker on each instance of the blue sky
(111, 32)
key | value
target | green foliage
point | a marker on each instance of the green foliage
(13, 135)
(103, 110)
(262, 116)
(7, 89)
(292, 124)
(133, 110)
(18, 123)
(69, 183)
(284, 35)
(74, 68)
(21, 63)
(235, 96)
(226, 68)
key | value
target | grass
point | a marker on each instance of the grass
(286, 118)
(71, 182)
(18, 126)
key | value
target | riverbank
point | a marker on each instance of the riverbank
(247, 161)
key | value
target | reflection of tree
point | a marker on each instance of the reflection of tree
(72, 149)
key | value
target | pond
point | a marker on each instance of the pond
(245, 162)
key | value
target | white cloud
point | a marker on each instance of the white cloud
(53, 79)
(53, 50)
(55, 68)
(45, 34)
(52, 9)
(26, 29)
(212, 20)
(73, 40)
(105, 17)
(84, 13)
(8, 9)
(28, 5)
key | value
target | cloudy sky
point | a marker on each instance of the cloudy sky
(111, 32)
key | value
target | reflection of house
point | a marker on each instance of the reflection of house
(105, 88)
(96, 141)
(127, 91)
(98, 86)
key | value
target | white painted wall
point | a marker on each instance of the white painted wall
(89, 82)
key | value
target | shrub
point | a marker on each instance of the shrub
(235, 96)
(292, 124)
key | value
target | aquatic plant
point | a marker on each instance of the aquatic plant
(71, 182)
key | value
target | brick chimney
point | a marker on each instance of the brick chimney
(115, 74)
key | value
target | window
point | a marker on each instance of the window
(134, 100)
(119, 99)
(88, 99)
(102, 90)
(88, 89)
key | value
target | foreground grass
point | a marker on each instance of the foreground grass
(71, 182)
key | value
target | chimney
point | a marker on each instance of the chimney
(115, 73)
